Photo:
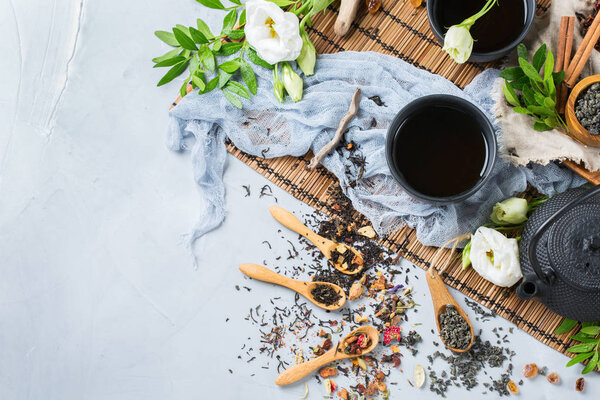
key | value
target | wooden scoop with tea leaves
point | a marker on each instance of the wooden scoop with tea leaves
(357, 343)
(344, 258)
(324, 294)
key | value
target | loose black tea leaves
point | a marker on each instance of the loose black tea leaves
(325, 294)
(587, 109)
(454, 330)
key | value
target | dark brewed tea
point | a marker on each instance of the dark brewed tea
(497, 29)
(440, 151)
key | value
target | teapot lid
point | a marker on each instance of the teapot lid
(574, 246)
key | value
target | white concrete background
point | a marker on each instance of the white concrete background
(98, 295)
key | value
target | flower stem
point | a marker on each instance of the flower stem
(467, 23)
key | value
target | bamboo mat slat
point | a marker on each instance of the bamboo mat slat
(402, 31)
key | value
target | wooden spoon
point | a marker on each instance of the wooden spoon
(346, 16)
(441, 297)
(299, 371)
(326, 246)
(304, 288)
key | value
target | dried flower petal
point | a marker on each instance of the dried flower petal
(553, 378)
(580, 385)
(343, 394)
(326, 372)
(391, 333)
(419, 375)
(356, 290)
(530, 370)
(367, 231)
(512, 387)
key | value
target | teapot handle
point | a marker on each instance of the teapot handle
(531, 253)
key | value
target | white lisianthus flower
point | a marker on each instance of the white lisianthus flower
(511, 211)
(458, 43)
(495, 257)
(274, 34)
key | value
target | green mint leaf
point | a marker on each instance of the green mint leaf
(528, 96)
(551, 121)
(529, 70)
(167, 37)
(237, 88)
(522, 51)
(169, 62)
(230, 66)
(207, 58)
(255, 59)
(591, 364)
(242, 19)
(540, 110)
(510, 95)
(228, 49)
(203, 27)
(199, 82)
(548, 65)
(211, 85)
(198, 36)
(229, 21)
(173, 73)
(565, 326)
(539, 58)
(167, 55)
(223, 78)
(581, 348)
(582, 337)
(511, 74)
(558, 77)
(591, 330)
(540, 126)
(579, 358)
(248, 76)
(551, 88)
(233, 99)
(184, 40)
(214, 4)
(539, 98)
(549, 102)
(521, 83)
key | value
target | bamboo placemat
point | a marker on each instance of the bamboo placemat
(402, 31)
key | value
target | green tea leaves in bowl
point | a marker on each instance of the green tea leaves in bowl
(531, 88)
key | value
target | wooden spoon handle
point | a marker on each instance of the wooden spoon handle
(266, 275)
(288, 220)
(299, 371)
(347, 13)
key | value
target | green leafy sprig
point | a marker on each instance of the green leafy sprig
(199, 52)
(588, 347)
(531, 88)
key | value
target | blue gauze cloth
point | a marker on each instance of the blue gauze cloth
(266, 127)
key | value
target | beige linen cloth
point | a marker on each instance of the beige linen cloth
(522, 144)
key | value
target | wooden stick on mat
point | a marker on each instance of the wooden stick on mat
(352, 110)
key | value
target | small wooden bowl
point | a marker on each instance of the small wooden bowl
(578, 132)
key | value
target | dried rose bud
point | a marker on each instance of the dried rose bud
(580, 385)
(326, 372)
(530, 370)
(356, 290)
(553, 378)
(512, 387)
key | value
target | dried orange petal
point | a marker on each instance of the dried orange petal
(580, 384)
(373, 5)
(553, 378)
(416, 3)
(530, 370)
(512, 387)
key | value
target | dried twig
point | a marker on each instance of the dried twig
(352, 110)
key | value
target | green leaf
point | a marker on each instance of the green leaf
(229, 21)
(198, 36)
(529, 70)
(233, 99)
(549, 65)
(174, 72)
(579, 358)
(540, 126)
(167, 37)
(227, 49)
(183, 89)
(591, 330)
(217, 46)
(255, 59)
(207, 58)
(211, 85)
(539, 98)
(170, 61)
(522, 51)
(214, 4)
(204, 29)
(236, 34)
(184, 40)
(194, 63)
(582, 337)
(521, 83)
(565, 326)
(199, 82)
(282, 3)
(167, 55)
(551, 88)
(528, 96)
(589, 323)
(521, 110)
(591, 364)
(237, 88)
(223, 78)
(242, 19)
(512, 73)
(581, 348)
(551, 121)
(540, 110)
(248, 76)
(466, 256)
(549, 102)
(510, 94)
(558, 77)
(539, 58)
(230, 66)
(236, 2)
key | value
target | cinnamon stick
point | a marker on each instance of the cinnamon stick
(583, 52)
(569, 43)
(565, 47)
(562, 44)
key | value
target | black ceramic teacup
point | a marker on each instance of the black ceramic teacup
(504, 31)
(441, 148)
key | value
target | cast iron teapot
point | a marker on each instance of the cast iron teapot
(560, 254)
